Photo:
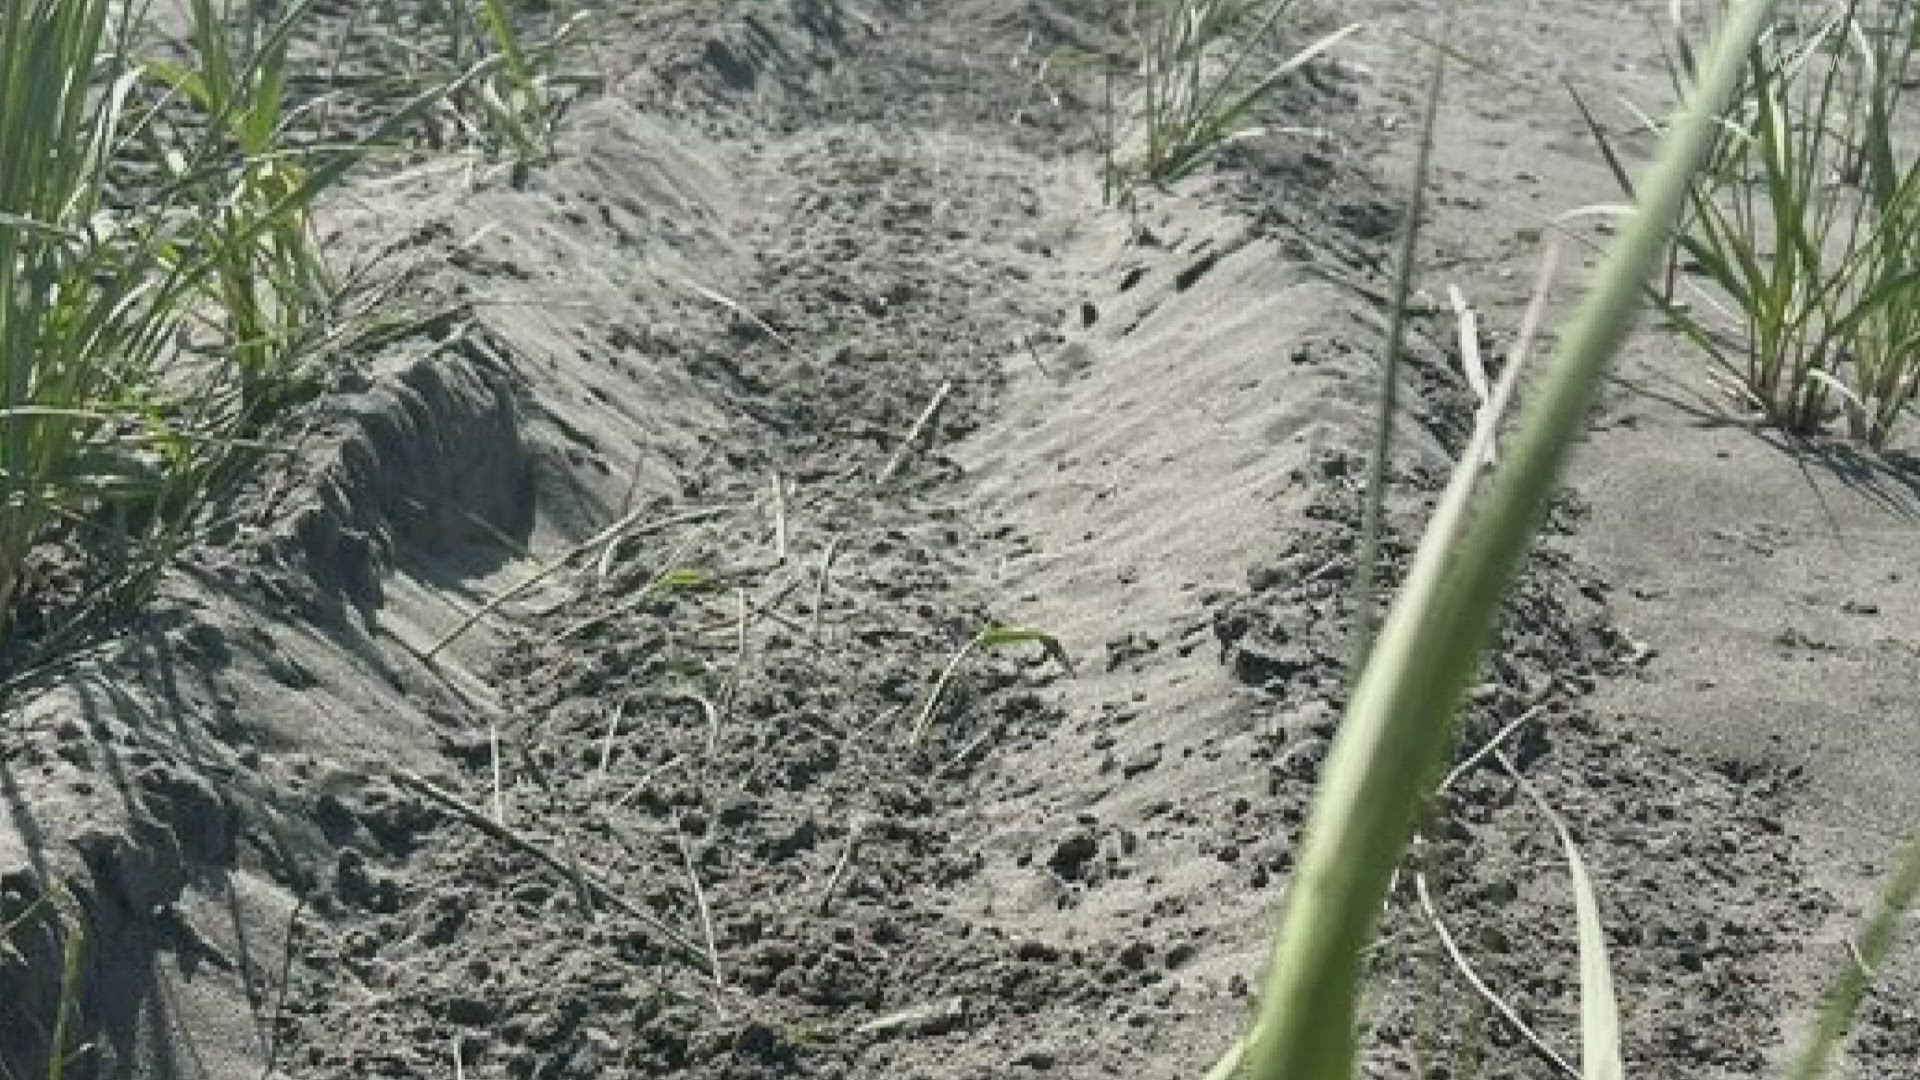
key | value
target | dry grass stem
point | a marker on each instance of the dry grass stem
(899, 458)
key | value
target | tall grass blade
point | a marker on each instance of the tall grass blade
(1380, 459)
(61, 1053)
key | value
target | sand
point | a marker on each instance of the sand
(332, 809)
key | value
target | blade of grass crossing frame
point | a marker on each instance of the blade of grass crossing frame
(1400, 714)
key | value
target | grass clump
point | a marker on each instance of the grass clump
(260, 271)
(89, 300)
(1203, 74)
(518, 95)
(154, 325)
(514, 92)
(1805, 223)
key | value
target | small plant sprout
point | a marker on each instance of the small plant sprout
(989, 638)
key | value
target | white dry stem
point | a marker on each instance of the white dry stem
(1472, 976)
(927, 414)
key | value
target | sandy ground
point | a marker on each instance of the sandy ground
(332, 812)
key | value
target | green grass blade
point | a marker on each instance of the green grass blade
(66, 1016)
(991, 637)
(1850, 989)
(506, 39)
(1374, 498)
(1599, 133)
(996, 637)
(1599, 1008)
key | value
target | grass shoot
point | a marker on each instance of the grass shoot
(989, 638)
(88, 301)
